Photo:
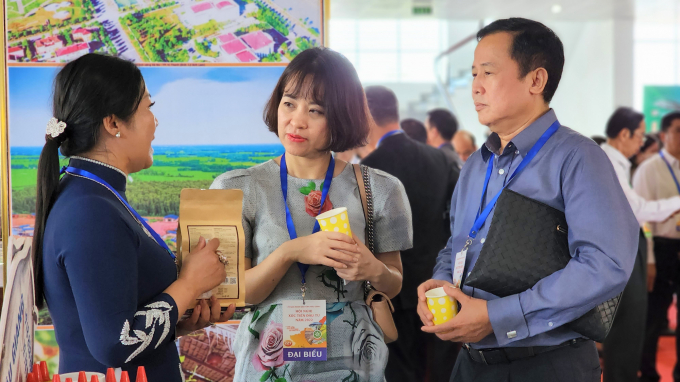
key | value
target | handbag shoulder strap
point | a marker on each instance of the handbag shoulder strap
(361, 173)
(362, 190)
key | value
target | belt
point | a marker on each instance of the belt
(507, 355)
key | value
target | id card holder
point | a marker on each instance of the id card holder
(459, 268)
(304, 330)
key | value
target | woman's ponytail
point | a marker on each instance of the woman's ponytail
(48, 181)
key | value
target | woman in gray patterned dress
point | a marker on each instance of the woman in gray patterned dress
(318, 106)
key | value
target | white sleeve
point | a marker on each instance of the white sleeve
(647, 209)
(642, 185)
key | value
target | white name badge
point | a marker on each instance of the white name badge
(304, 330)
(459, 268)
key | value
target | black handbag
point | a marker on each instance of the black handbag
(527, 241)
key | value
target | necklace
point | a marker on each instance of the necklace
(101, 164)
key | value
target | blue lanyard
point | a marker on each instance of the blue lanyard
(289, 218)
(387, 135)
(482, 215)
(677, 184)
(93, 177)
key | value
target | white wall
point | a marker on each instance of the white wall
(585, 97)
(657, 56)
(587, 94)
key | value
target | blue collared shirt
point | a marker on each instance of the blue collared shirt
(572, 174)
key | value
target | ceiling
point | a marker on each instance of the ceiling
(571, 10)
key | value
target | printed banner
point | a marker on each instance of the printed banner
(208, 354)
(659, 101)
(18, 320)
(208, 32)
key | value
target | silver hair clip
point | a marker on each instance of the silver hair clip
(55, 127)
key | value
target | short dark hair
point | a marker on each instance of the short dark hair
(650, 139)
(598, 139)
(383, 104)
(444, 121)
(335, 86)
(623, 118)
(414, 129)
(668, 119)
(470, 136)
(533, 46)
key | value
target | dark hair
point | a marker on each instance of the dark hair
(444, 121)
(650, 139)
(86, 91)
(383, 104)
(623, 118)
(414, 129)
(470, 136)
(668, 119)
(335, 86)
(598, 139)
(533, 46)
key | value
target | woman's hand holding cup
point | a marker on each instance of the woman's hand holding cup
(367, 266)
(331, 249)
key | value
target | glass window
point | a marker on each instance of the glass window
(391, 50)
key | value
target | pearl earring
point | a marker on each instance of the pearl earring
(118, 134)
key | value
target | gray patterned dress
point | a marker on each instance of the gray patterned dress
(356, 349)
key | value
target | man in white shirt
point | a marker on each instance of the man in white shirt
(623, 346)
(657, 179)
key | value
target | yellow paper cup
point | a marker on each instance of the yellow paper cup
(335, 220)
(442, 306)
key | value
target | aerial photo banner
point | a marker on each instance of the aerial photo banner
(209, 65)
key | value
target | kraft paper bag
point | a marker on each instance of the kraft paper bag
(215, 214)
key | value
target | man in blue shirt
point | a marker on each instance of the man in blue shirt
(517, 67)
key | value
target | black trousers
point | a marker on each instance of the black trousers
(667, 281)
(574, 363)
(623, 346)
(417, 354)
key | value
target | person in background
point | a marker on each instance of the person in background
(464, 144)
(349, 156)
(516, 70)
(651, 146)
(414, 129)
(657, 179)
(623, 346)
(598, 139)
(110, 282)
(429, 178)
(364, 151)
(441, 126)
